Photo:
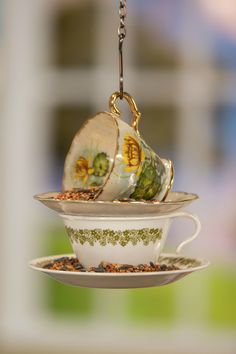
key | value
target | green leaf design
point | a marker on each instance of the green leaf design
(113, 237)
(150, 180)
(100, 164)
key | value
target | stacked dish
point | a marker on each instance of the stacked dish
(123, 209)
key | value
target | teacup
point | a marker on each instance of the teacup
(108, 154)
(130, 240)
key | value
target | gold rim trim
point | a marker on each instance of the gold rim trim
(132, 105)
(171, 181)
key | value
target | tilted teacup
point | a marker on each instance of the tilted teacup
(110, 155)
(130, 240)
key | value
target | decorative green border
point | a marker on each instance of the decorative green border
(113, 237)
(180, 261)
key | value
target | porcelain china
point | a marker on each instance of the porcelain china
(123, 280)
(130, 240)
(173, 202)
(110, 155)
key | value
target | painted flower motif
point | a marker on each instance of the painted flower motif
(149, 183)
(133, 155)
(83, 169)
(101, 164)
(114, 237)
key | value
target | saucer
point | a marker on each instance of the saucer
(173, 202)
(123, 280)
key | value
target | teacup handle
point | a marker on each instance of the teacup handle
(197, 227)
(132, 105)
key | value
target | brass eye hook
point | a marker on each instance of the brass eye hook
(132, 105)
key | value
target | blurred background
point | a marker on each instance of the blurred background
(59, 65)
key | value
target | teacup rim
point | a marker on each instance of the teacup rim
(114, 117)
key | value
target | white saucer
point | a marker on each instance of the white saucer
(173, 202)
(123, 280)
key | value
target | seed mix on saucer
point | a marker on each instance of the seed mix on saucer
(72, 264)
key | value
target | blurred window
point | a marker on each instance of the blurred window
(151, 49)
(74, 35)
(171, 126)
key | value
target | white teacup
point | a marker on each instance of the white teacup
(110, 155)
(131, 240)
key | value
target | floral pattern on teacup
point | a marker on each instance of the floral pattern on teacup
(139, 160)
(133, 155)
(90, 170)
(151, 179)
(83, 168)
(115, 237)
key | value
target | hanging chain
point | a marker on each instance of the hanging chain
(121, 36)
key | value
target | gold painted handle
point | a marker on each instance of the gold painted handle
(132, 105)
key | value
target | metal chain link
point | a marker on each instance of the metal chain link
(121, 36)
